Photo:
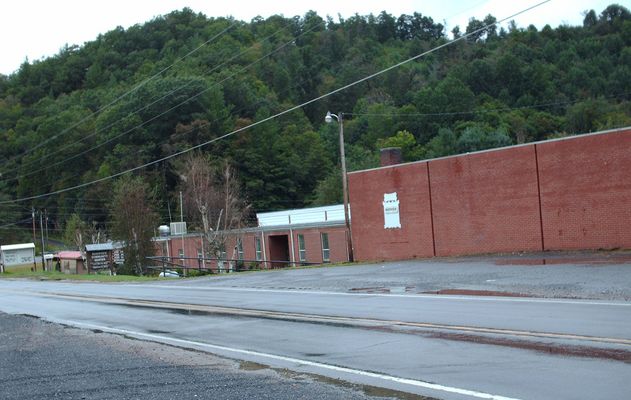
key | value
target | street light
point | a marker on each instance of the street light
(340, 119)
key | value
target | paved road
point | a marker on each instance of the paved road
(448, 347)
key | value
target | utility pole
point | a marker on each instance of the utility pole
(349, 238)
(46, 221)
(182, 232)
(351, 257)
(33, 218)
(41, 228)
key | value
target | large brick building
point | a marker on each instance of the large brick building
(563, 194)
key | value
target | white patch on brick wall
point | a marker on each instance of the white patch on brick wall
(391, 211)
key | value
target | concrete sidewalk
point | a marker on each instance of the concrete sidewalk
(586, 275)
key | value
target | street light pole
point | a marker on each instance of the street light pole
(340, 119)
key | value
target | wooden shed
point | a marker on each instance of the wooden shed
(70, 262)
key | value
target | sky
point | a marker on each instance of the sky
(31, 29)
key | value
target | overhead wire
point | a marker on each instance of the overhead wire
(284, 45)
(286, 111)
(214, 85)
(482, 111)
(127, 93)
(15, 223)
(101, 129)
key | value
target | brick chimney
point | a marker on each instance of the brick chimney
(390, 156)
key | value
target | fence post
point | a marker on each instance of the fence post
(164, 267)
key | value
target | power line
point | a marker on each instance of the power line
(164, 112)
(541, 105)
(286, 111)
(16, 222)
(150, 104)
(134, 89)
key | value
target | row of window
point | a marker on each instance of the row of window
(326, 251)
(302, 249)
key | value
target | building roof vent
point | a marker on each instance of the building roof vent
(164, 230)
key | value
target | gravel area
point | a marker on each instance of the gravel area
(40, 360)
(586, 275)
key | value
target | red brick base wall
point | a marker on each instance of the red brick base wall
(370, 240)
(586, 191)
(486, 202)
(558, 195)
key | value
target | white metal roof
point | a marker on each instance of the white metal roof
(313, 215)
(99, 246)
(17, 246)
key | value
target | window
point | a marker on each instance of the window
(326, 252)
(302, 251)
(181, 254)
(239, 249)
(257, 245)
(221, 262)
(199, 253)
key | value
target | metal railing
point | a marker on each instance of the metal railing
(221, 265)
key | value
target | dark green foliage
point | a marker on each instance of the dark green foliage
(96, 110)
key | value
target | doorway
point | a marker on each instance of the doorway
(279, 250)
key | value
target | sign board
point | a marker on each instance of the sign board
(18, 256)
(99, 260)
(119, 257)
(391, 211)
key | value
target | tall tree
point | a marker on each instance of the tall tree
(76, 231)
(215, 195)
(133, 221)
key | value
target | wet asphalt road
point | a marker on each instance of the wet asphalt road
(517, 365)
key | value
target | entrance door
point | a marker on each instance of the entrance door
(279, 250)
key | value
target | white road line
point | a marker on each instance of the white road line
(299, 362)
(423, 296)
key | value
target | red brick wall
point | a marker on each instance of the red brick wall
(586, 191)
(313, 244)
(557, 195)
(191, 244)
(486, 202)
(370, 240)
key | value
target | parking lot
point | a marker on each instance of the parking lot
(588, 275)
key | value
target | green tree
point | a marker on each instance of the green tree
(476, 138)
(76, 231)
(586, 116)
(411, 151)
(133, 221)
(443, 144)
(329, 190)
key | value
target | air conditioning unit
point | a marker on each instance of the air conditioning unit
(178, 228)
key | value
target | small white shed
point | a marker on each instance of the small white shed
(17, 254)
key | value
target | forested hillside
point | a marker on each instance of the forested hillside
(140, 94)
